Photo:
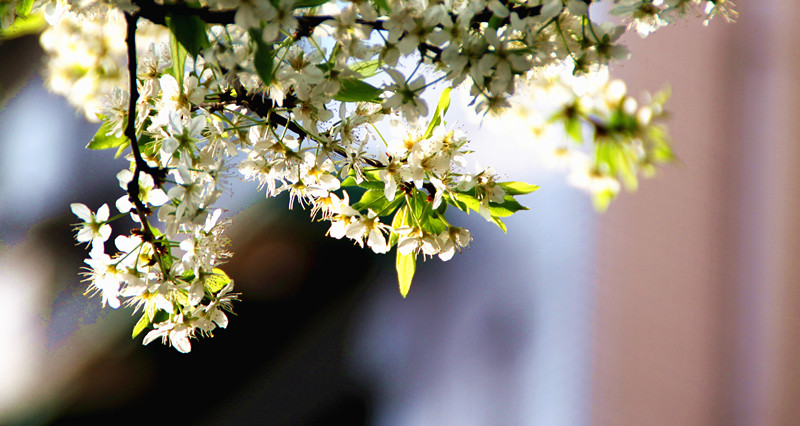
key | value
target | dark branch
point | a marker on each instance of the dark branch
(141, 165)
(157, 13)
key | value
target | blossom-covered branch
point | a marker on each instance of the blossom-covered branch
(316, 98)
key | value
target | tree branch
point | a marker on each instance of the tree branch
(157, 13)
(141, 165)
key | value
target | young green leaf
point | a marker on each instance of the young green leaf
(263, 59)
(355, 90)
(372, 199)
(23, 25)
(366, 68)
(103, 141)
(366, 184)
(508, 207)
(299, 4)
(382, 5)
(500, 223)
(406, 265)
(178, 58)
(24, 7)
(189, 31)
(602, 199)
(454, 200)
(143, 323)
(433, 223)
(438, 114)
(217, 281)
(401, 219)
(517, 188)
(573, 127)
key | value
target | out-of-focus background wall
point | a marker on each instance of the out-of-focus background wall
(697, 317)
(680, 305)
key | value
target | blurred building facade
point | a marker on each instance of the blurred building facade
(698, 305)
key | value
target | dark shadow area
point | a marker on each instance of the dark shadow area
(282, 359)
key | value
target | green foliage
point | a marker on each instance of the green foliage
(367, 68)
(441, 110)
(217, 281)
(382, 5)
(24, 25)
(355, 90)
(299, 4)
(517, 188)
(24, 7)
(406, 265)
(374, 200)
(263, 59)
(371, 182)
(179, 54)
(144, 321)
(402, 218)
(189, 31)
(102, 140)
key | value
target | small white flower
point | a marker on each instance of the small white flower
(148, 193)
(95, 228)
(372, 229)
(104, 277)
(453, 239)
(414, 240)
(174, 331)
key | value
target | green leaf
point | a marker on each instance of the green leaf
(376, 201)
(401, 219)
(433, 224)
(143, 323)
(309, 3)
(602, 199)
(495, 22)
(618, 160)
(366, 184)
(382, 5)
(24, 7)
(441, 110)
(454, 200)
(160, 316)
(419, 208)
(406, 265)
(189, 31)
(500, 223)
(263, 59)
(217, 281)
(23, 25)
(355, 90)
(178, 58)
(508, 207)
(103, 141)
(517, 188)
(468, 201)
(372, 180)
(372, 199)
(182, 298)
(366, 68)
(574, 129)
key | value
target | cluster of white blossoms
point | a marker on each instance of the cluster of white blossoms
(588, 124)
(293, 94)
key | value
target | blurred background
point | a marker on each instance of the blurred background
(679, 305)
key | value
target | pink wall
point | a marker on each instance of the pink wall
(698, 295)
